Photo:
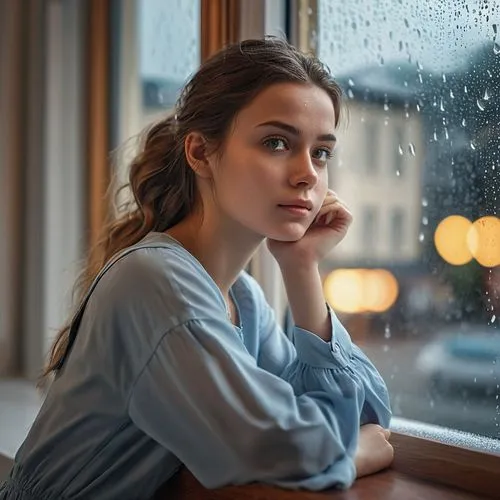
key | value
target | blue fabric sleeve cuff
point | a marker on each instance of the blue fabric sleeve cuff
(314, 351)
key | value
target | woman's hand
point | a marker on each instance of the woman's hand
(374, 451)
(326, 232)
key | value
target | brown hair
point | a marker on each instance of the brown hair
(161, 181)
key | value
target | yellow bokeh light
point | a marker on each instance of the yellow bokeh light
(344, 290)
(483, 241)
(450, 239)
(380, 290)
(361, 290)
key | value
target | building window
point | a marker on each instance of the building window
(397, 230)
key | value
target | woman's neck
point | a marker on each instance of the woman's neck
(223, 248)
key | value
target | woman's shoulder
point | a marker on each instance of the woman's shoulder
(158, 273)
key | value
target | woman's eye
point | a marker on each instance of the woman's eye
(276, 144)
(322, 154)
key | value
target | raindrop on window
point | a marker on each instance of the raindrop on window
(463, 122)
(425, 221)
(486, 95)
(411, 148)
(421, 237)
(350, 94)
(452, 95)
(400, 150)
(387, 332)
(386, 106)
(424, 202)
(480, 105)
(350, 82)
(493, 318)
(472, 146)
(496, 48)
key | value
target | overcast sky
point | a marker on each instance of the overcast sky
(439, 34)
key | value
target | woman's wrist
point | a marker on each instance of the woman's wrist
(305, 295)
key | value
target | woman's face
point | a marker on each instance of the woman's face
(272, 174)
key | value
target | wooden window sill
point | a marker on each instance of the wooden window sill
(424, 468)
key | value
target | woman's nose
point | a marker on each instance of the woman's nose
(303, 172)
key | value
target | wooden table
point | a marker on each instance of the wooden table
(387, 485)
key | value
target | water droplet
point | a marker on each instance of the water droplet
(350, 94)
(386, 106)
(420, 79)
(452, 95)
(425, 221)
(493, 318)
(475, 380)
(421, 237)
(486, 95)
(444, 78)
(398, 173)
(446, 135)
(472, 146)
(387, 332)
(411, 148)
(496, 48)
(420, 66)
(400, 150)
(494, 28)
(386, 348)
(441, 104)
(465, 89)
(350, 82)
(480, 105)
(435, 136)
(424, 202)
(464, 122)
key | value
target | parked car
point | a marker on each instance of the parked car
(467, 360)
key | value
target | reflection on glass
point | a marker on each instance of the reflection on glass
(422, 81)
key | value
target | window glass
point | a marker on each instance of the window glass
(169, 41)
(422, 84)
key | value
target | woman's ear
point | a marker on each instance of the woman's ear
(198, 158)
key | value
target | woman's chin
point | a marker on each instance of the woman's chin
(294, 233)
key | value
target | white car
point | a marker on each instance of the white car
(467, 360)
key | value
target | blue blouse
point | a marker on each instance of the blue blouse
(158, 376)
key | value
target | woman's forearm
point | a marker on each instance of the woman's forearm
(307, 302)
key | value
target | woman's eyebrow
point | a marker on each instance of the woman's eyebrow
(295, 131)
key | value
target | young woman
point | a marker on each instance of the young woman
(174, 357)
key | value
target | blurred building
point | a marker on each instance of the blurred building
(378, 170)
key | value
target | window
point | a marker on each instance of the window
(371, 145)
(369, 229)
(397, 229)
(425, 76)
(158, 50)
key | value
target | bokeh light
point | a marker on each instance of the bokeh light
(450, 239)
(483, 241)
(361, 290)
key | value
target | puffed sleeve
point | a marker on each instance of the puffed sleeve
(231, 421)
(309, 363)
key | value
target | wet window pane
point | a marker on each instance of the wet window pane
(169, 39)
(418, 163)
